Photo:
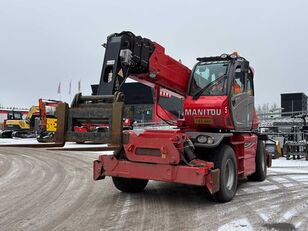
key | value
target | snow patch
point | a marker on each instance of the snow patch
(298, 224)
(269, 188)
(251, 189)
(290, 213)
(280, 179)
(264, 216)
(237, 225)
(299, 178)
(67, 144)
(288, 185)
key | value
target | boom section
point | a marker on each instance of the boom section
(143, 60)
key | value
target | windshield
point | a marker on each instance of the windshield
(211, 77)
(14, 116)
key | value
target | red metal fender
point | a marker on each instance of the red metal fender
(201, 174)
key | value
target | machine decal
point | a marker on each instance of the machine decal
(250, 144)
(202, 112)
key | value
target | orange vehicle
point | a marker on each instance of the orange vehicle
(47, 124)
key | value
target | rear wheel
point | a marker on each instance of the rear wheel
(129, 185)
(261, 168)
(224, 159)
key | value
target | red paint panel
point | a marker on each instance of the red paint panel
(245, 147)
(165, 71)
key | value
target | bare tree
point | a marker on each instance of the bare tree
(266, 108)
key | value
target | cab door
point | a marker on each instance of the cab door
(240, 102)
(249, 89)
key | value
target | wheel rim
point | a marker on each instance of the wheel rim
(229, 174)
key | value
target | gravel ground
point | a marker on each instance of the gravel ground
(54, 190)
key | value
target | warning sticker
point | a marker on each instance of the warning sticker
(120, 73)
(203, 121)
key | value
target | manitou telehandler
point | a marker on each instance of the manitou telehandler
(213, 145)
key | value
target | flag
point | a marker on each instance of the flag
(70, 87)
(59, 88)
(79, 86)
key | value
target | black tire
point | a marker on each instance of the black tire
(261, 167)
(224, 159)
(129, 185)
(6, 134)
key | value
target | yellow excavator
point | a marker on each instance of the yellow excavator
(16, 126)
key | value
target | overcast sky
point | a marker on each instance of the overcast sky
(44, 42)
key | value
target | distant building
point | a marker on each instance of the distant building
(293, 102)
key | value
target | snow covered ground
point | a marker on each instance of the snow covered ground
(34, 141)
(278, 203)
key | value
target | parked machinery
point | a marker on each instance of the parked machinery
(16, 126)
(13, 122)
(296, 144)
(40, 122)
(275, 142)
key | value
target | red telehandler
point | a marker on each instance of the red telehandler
(216, 142)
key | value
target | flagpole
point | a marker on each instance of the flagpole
(59, 91)
(70, 90)
(79, 86)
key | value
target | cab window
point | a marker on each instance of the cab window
(249, 84)
(238, 85)
(209, 78)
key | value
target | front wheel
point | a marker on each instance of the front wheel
(261, 167)
(224, 159)
(129, 185)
